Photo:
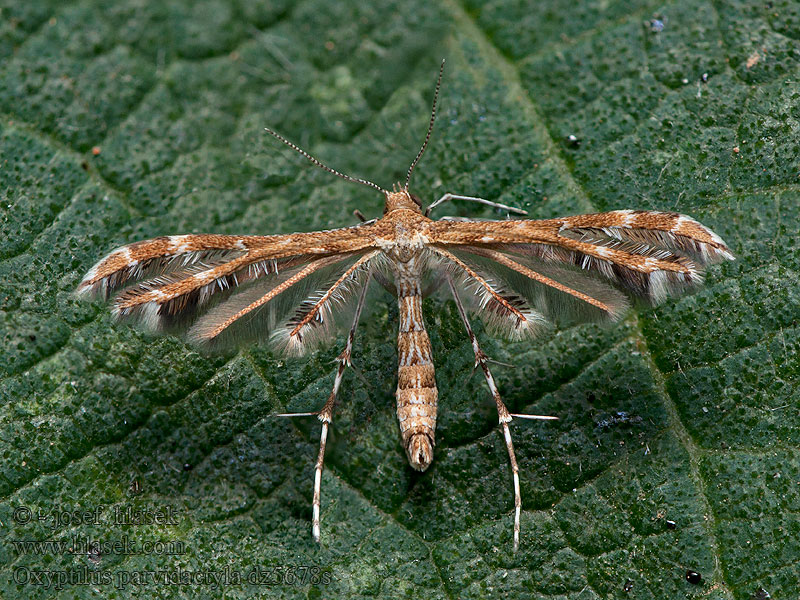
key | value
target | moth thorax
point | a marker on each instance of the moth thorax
(420, 451)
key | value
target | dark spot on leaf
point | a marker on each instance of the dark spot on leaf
(694, 577)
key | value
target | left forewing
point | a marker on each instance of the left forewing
(166, 254)
(167, 281)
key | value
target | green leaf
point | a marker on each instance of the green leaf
(127, 120)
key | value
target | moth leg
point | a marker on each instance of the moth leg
(360, 216)
(450, 196)
(326, 416)
(326, 413)
(502, 412)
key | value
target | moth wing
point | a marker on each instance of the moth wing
(648, 254)
(557, 294)
(502, 309)
(163, 256)
(296, 311)
(179, 282)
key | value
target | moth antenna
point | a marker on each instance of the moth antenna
(430, 127)
(322, 166)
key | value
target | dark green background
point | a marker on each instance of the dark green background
(176, 94)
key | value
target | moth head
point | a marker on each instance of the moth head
(401, 199)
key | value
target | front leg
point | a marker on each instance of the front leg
(448, 197)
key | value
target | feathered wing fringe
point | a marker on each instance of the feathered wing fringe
(665, 230)
(563, 294)
(127, 270)
(273, 310)
(161, 255)
(649, 254)
(502, 310)
(176, 298)
(650, 264)
(597, 260)
(324, 311)
(552, 294)
(643, 271)
(173, 283)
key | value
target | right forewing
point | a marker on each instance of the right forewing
(647, 253)
(528, 273)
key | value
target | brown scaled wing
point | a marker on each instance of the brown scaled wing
(574, 268)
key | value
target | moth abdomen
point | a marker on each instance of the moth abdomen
(416, 394)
